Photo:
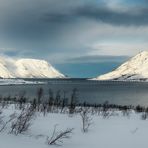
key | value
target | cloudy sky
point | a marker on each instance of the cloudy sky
(83, 34)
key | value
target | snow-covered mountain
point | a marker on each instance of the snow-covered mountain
(27, 68)
(134, 69)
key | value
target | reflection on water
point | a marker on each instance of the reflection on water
(124, 93)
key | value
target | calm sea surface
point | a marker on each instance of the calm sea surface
(123, 93)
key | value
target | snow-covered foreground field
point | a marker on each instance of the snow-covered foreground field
(117, 131)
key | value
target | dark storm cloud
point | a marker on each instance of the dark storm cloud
(134, 16)
(40, 28)
(48, 20)
(45, 21)
(98, 59)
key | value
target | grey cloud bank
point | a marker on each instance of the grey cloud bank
(66, 29)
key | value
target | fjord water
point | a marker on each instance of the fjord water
(90, 91)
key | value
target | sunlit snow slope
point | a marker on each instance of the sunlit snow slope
(27, 68)
(134, 69)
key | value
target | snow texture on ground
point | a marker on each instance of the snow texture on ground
(18, 82)
(117, 131)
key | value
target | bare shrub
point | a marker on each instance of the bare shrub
(21, 99)
(44, 108)
(58, 137)
(40, 92)
(73, 101)
(5, 123)
(144, 116)
(86, 119)
(1, 117)
(105, 111)
(50, 100)
(23, 121)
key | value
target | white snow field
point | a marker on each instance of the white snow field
(18, 82)
(135, 68)
(27, 68)
(117, 131)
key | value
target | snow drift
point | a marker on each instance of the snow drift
(134, 69)
(27, 68)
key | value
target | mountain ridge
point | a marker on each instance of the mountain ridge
(27, 68)
(136, 68)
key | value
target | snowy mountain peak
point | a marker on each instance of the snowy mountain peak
(135, 68)
(27, 68)
(142, 55)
